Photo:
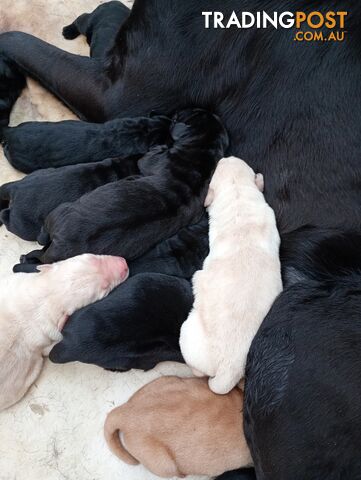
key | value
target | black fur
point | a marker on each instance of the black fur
(130, 216)
(25, 204)
(12, 83)
(180, 256)
(100, 27)
(136, 326)
(242, 474)
(272, 94)
(34, 145)
(302, 412)
(303, 389)
(319, 254)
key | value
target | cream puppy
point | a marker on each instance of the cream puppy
(34, 308)
(240, 280)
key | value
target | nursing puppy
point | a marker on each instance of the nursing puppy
(129, 217)
(12, 83)
(240, 279)
(34, 309)
(25, 204)
(100, 27)
(136, 326)
(35, 145)
(180, 256)
(178, 427)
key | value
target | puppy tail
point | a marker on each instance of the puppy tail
(112, 430)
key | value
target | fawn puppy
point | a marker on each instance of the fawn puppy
(177, 427)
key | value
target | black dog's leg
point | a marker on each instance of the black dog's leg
(78, 81)
(100, 27)
(35, 145)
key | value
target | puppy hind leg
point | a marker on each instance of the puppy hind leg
(78, 27)
(159, 459)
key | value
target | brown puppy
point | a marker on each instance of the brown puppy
(178, 427)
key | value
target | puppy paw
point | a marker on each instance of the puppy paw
(70, 32)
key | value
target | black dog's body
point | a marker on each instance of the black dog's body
(272, 93)
(129, 217)
(34, 145)
(136, 326)
(320, 254)
(302, 404)
(99, 27)
(243, 474)
(25, 204)
(302, 409)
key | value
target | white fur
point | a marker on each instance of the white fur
(240, 280)
(34, 308)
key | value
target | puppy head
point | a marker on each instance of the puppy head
(83, 279)
(232, 169)
(201, 129)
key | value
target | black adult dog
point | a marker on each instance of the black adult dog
(136, 326)
(25, 204)
(129, 217)
(292, 109)
(243, 474)
(309, 346)
(34, 145)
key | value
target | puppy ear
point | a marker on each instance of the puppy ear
(209, 198)
(259, 179)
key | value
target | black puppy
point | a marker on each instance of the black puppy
(12, 83)
(100, 27)
(34, 145)
(25, 204)
(127, 218)
(136, 326)
(243, 474)
(180, 256)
